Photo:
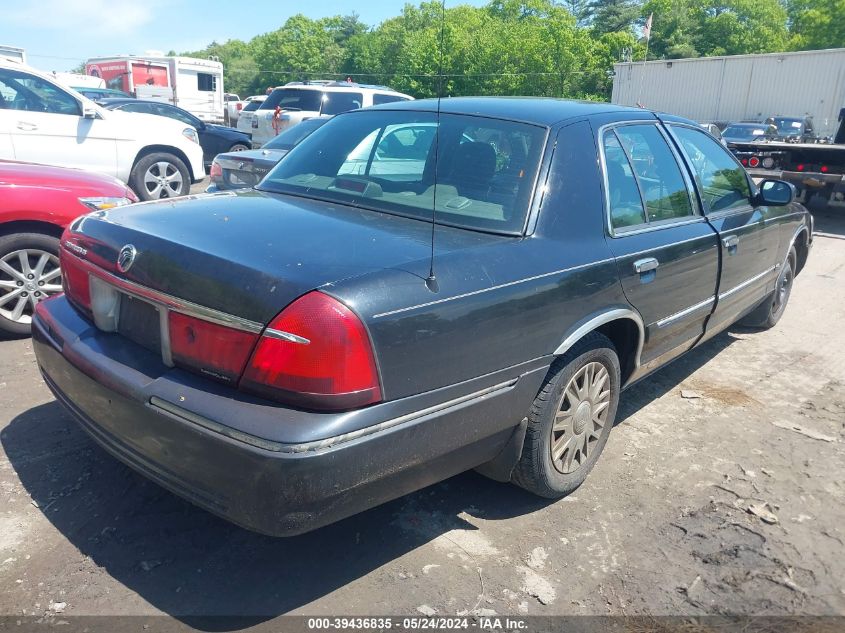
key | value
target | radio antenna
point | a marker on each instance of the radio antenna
(431, 280)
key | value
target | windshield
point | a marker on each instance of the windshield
(252, 105)
(788, 127)
(748, 132)
(384, 160)
(294, 134)
(293, 99)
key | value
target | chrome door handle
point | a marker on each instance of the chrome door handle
(27, 127)
(645, 265)
(730, 241)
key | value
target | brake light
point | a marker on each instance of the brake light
(317, 354)
(239, 106)
(753, 162)
(744, 162)
(216, 171)
(75, 281)
(824, 169)
(800, 167)
(214, 350)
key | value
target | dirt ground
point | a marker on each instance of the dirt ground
(721, 490)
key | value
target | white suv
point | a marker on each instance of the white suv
(42, 121)
(299, 100)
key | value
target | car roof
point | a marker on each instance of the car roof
(545, 111)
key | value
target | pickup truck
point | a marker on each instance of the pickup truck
(232, 106)
(387, 328)
(816, 169)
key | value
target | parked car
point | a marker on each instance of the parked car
(95, 94)
(214, 139)
(351, 351)
(36, 203)
(793, 129)
(714, 130)
(232, 106)
(248, 113)
(300, 100)
(744, 132)
(241, 170)
(43, 122)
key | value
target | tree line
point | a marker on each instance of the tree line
(520, 47)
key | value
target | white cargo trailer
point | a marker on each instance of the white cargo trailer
(193, 84)
(739, 87)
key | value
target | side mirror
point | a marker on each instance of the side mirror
(776, 193)
(89, 111)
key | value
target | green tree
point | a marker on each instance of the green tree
(736, 27)
(816, 24)
(610, 16)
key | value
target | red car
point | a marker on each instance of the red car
(36, 203)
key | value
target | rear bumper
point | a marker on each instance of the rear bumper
(270, 486)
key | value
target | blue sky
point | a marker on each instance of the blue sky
(58, 34)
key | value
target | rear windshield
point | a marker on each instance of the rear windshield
(294, 134)
(385, 161)
(293, 99)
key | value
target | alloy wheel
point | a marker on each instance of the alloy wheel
(27, 276)
(581, 416)
(163, 180)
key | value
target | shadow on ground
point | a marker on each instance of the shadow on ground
(186, 562)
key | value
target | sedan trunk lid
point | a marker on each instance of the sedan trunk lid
(250, 253)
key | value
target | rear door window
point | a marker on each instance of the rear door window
(623, 194)
(658, 174)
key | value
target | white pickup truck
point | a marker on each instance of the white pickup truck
(42, 121)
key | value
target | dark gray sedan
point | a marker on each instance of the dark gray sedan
(241, 170)
(413, 292)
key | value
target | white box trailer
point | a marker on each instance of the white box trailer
(13, 52)
(739, 87)
(193, 84)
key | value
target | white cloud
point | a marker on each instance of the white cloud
(91, 17)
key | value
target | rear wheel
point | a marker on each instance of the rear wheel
(570, 420)
(769, 312)
(29, 273)
(160, 175)
(238, 147)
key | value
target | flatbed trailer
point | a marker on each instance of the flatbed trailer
(816, 169)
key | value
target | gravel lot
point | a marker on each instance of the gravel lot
(720, 491)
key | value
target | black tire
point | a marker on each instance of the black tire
(239, 147)
(536, 470)
(769, 312)
(34, 243)
(170, 165)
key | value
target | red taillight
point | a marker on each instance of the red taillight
(744, 162)
(316, 354)
(753, 162)
(824, 169)
(216, 172)
(239, 106)
(800, 167)
(74, 276)
(214, 350)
